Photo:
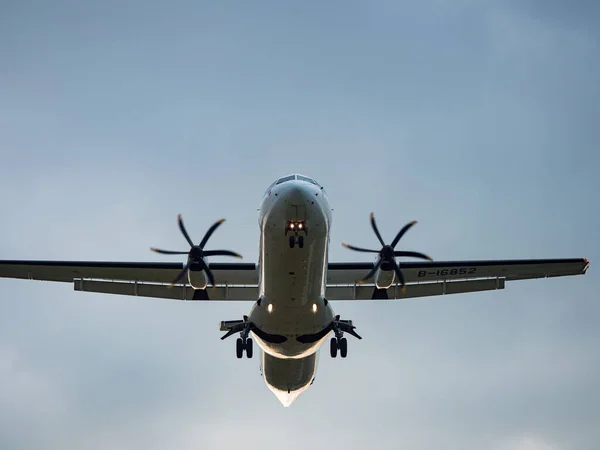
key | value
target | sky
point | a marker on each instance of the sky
(476, 118)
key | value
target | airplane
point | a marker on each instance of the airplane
(293, 284)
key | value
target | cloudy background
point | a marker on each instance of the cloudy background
(477, 118)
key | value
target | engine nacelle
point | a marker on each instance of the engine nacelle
(384, 278)
(197, 278)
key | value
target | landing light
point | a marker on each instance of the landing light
(270, 308)
(298, 225)
(314, 307)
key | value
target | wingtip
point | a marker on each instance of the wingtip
(345, 245)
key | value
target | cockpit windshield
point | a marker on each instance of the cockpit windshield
(288, 178)
(310, 180)
(291, 178)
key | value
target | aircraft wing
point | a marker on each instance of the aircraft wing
(446, 277)
(236, 281)
(239, 281)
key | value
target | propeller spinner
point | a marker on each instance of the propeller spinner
(196, 254)
(388, 254)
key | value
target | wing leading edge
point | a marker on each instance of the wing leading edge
(150, 272)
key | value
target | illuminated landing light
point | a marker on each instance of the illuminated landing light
(314, 307)
(270, 308)
(292, 226)
(299, 226)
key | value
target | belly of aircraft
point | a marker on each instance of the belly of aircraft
(292, 292)
(292, 301)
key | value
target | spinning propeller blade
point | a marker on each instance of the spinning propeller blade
(196, 253)
(387, 253)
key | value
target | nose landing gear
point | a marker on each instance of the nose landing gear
(297, 240)
(296, 228)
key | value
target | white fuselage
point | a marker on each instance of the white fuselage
(292, 280)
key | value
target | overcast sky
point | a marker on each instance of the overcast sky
(479, 119)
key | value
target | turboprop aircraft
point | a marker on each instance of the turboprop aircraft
(293, 284)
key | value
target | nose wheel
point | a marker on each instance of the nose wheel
(296, 240)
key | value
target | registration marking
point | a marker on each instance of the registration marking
(446, 272)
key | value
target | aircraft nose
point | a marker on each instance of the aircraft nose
(297, 195)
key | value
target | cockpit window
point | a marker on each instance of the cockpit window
(288, 178)
(303, 178)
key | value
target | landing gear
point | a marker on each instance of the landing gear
(239, 348)
(242, 345)
(338, 344)
(343, 345)
(297, 240)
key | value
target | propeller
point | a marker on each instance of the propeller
(388, 254)
(196, 254)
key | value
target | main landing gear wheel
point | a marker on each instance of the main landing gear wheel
(301, 241)
(249, 348)
(343, 346)
(292, 241)
(243, 343)
(241, 346)
(333, 347)
(338, 344)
